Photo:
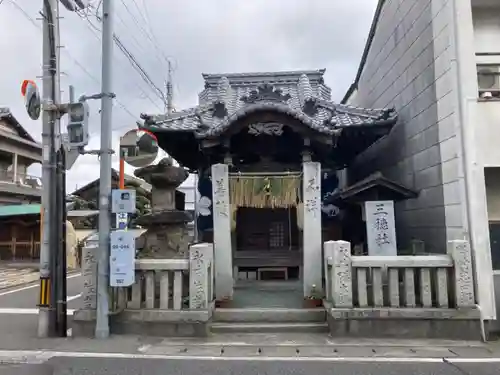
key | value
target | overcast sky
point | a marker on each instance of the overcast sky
(209, 36)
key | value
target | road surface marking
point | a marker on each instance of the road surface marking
(31, 286)
(39, 356)
(22, 311)
(73, 297)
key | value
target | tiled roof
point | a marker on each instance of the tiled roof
(6, 114)
(301, 95)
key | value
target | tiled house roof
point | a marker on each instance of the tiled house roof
(6, 114)
(301, 95)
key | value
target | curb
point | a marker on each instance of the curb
(37, 357)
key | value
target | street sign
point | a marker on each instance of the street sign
(121, 221)
(122, 258)
(123, 201)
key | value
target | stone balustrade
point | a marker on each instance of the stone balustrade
(398, 289)
(159, 282)
(170, 297)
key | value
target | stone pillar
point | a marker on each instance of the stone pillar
(341, 287)
(222, 233)
(463, 273)
(312, 241)
(89, 274)
(200, 272)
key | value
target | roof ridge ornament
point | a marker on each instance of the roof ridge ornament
(265, 92)
(305, 89)
(224, 96)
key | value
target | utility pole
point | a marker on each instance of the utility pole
(170, 91)
(50, 119)
(102, 323)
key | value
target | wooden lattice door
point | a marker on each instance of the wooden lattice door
(266, 229)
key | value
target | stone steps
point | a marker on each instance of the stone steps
(259, 327)
(265, 320)
(269, 315)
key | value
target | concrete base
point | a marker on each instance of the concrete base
(415, 323)
(161, 323)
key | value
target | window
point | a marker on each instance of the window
(488, 80)
(495, 244)
(277, 235)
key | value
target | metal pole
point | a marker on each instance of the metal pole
(102, 323)
(49, 119)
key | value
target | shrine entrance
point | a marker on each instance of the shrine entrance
(267, 243)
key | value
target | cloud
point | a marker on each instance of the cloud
(200, 36)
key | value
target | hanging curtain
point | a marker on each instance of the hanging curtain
(265, 191)
(300, 216)
(233, 209)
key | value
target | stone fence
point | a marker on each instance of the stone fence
(170, 297)
(382, 294)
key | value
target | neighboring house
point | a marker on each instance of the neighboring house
(18, 150)
(20, 231)
(438, 62)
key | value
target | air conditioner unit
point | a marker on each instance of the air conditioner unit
(488, 79)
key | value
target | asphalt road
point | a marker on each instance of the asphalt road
(26, 297)
(19, 313)
(104, 366)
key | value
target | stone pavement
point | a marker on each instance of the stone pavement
(13, 276)
(248, 354)
(252, 345)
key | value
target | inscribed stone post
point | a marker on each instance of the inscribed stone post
(200, 260)
(463, 273)
(312, 242)
(342, 274)
(89, 274)
(222, 232)
(380, 228)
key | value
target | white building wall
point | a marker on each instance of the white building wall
(424, 64)
(408, 67)
(486, 29)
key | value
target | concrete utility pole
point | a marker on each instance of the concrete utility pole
(50, 119)
(102, 323)
(170, 90)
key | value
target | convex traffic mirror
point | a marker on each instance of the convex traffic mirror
(138, 148)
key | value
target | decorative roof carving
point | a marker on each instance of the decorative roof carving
(300, 96)
(265, 92)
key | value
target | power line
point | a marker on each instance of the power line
(75, 61)
(155, 45)
(94, 29)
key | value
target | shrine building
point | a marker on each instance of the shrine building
(272, 154)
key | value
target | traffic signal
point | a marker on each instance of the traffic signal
(78, 124)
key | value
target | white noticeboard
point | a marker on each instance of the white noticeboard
(380, 228)
(121, 221)
(122, 258)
